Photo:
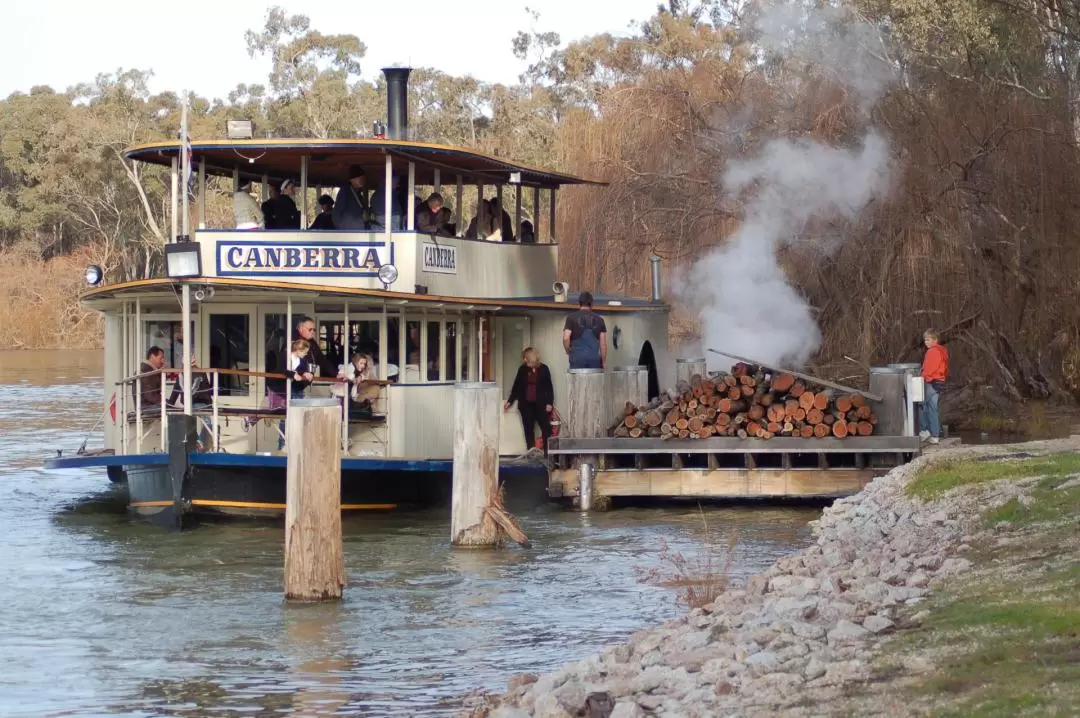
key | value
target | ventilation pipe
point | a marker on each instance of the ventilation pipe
(397, 102)
(656, 297)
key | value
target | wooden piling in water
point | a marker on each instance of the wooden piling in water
(476, 464)
(314, 556)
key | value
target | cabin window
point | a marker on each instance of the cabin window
(451, 351)
(412, 373)
(393, 351)
(434, 339)
(168, 336)
(364, 339)
(331, 338)
(276, 332)
(229, 350)
(466, 342)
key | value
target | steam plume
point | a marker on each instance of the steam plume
(745, 303)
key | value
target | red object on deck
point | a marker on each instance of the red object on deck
(556, 421)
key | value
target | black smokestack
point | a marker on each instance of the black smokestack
(397, 102)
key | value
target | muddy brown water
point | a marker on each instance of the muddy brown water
(101, 615)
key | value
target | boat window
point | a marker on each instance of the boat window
(451, 351)
(168, 335)
(412, 373)
(466, 342)
(331, 336)
(275, 351)
(364, 339)
(434, 336)
(229, 350)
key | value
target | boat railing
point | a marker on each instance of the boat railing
(211, 413)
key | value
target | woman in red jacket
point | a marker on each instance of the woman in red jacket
(535, 395)
(935, 370)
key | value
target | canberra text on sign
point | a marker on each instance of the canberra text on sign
(326, 258)
(441, 259)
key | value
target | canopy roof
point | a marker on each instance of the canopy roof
(330, 160)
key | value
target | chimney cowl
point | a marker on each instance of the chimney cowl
(397, 102)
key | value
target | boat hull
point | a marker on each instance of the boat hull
(218, 486)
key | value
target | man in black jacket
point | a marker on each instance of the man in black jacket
(305, 329)
(535, 397)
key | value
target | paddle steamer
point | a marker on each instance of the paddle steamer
(430, 310)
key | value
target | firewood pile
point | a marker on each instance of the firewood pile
(746, 402)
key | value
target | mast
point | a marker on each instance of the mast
(185, 235)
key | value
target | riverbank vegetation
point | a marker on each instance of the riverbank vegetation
(976, 236)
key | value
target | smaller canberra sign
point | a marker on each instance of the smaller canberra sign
(439, 258)
(247, 258)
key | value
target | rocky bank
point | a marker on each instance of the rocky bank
(810, 625)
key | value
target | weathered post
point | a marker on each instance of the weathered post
(686, 368)
(620, 390)
(640, 382)
(586, 408)
(476, 464)
(314, 557)
(889, 383)
(587, 411)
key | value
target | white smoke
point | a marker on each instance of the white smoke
(744, 301)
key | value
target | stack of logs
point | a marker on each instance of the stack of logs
(748, 402)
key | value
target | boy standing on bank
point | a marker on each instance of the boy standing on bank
(935, 370)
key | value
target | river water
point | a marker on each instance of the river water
(100, 615)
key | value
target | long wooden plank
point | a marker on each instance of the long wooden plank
(733, 445)
(720, 483)
(807, 377)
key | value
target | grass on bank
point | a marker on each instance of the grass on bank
(1005, 639)
(939, 478)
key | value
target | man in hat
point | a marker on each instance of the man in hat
(351, 206)
(325, 218)
(245, 209)
(286, 214)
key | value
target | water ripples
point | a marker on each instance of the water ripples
(105, 616)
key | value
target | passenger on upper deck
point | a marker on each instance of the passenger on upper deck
(397, 206)
(433, 217)
(492, 230)
(528, 235)
(325, 218)
(351, 207)
(270, 209)
(286, 215)
(246, 210)
(150, 386)
(507, 228)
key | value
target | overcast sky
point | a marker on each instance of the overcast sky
(49, 42)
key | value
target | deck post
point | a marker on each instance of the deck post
(686, 368)
(202, 193)
(517, 212)
(410, 209)
(476, 464)
(536, 212)
(314, 556)
(304, 191)
(461, 226)
(551, 221)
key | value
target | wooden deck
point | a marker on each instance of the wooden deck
(723, 467)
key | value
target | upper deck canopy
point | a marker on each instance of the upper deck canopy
(329, 160)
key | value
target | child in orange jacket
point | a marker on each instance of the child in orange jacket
(935, 370)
